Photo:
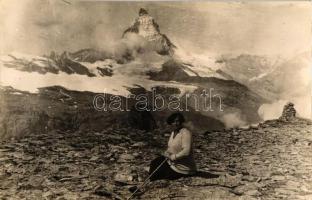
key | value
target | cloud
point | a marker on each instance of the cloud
(234, 119)
(46, 23)
(205, 26)
(271, 111)
(274, 110)
(292, 83)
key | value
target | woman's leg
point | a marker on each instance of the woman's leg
(164, 171)
(155, 163)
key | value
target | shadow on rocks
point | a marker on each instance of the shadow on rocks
(203, 174)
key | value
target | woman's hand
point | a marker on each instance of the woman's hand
(173, 157)
(167, 154)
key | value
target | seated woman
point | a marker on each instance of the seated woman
(178, 159)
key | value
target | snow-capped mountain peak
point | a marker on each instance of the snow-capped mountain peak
(147, 27)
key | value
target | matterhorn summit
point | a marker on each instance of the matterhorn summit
(146, 27)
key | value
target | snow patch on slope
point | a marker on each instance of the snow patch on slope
(117, 84)
(203, 65)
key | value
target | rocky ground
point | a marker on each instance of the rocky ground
(271, 160)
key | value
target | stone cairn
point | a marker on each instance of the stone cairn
(289, 112)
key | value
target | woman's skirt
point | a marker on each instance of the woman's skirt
(164, 171)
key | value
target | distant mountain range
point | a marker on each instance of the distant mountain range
(243, 82)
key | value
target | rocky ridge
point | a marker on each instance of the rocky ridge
(270, 160)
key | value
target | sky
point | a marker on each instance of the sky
(260, 28)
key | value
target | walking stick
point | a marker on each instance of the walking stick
(146, 180)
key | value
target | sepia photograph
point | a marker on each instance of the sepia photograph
(155, 100)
